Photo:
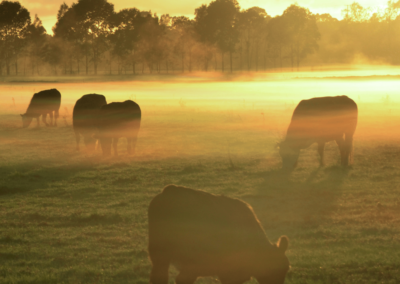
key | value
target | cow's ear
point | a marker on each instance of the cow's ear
(283, 243)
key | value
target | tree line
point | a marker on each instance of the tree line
(90, 37)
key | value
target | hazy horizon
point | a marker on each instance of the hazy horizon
(47, 10)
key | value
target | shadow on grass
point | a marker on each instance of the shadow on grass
(28, 176)
(282, 199)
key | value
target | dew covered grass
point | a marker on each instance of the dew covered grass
(69, 217)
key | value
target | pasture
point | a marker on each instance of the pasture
(70, 217)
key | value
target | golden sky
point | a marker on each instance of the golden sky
(47, 9)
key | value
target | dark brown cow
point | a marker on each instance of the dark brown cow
(320, 120)
(85, 118)
(121, 119)
(203, 234)
(43, 103)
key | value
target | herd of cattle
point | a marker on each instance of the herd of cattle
(203, 234)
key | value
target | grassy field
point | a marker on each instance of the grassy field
(70, 217)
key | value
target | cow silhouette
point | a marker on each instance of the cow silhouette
(203, 234)
(43, 103)
(119, 119)
(320, 120)
(85, 119)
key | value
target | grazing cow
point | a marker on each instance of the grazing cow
(320, 120)
(85, 117)
(43, 103)
(121, 119)
(203, 234)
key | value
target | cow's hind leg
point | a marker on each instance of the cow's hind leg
(56, 115)
(44, 116)
(185, 278)
(115, 146)
(77, 138)
(340, 142)
(159, 271)
(38, 122)
(347, 149)
(51, 118)
(321, 147)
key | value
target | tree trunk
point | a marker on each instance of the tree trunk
(222, 62)
(87, 63)
(230, 58)
(16, 65)
(292, 57)
(183, 62)
(248, 55)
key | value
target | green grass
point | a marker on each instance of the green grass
(68, 217)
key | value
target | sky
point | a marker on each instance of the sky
(47, 9)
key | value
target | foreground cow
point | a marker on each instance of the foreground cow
(203, 234)
(43, 103)
(118, 120)
(320, 120)
(85, 118)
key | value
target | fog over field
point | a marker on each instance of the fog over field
(77, 217)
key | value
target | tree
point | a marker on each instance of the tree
(302, 32)
(216, 24)
(36, 37)
(356, 13)
(14, 21)
(89, 23)
(252, 26)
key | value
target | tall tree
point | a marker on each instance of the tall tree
(36, 37)
(302, 31)
(216, 24)
(252, 26)
(14, 22)
(88, 22)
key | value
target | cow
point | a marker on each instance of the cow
(320, 120)
(43, 103)
(85, 119)
(119, 119)
(203, 234)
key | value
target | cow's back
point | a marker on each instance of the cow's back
(207, 230)
(44, 102)
(323, 117)
(119, 118)
(86, 110)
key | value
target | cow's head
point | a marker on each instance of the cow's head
(26, 120)
(289, 156)
(277, 264)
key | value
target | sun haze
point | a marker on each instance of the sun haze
(47, 9)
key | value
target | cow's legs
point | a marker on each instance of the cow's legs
(321, 147)
(51, 118)
(38, 122)
(340, 142)
(77, 138)
(185, 278)
(56, 115)
(44, 116)
(347, 149)
(115, 146)
(159, 271)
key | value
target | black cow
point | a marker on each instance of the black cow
(43, 103)
(203, 234)
(320, 120)
(121, 119)
(85, 118)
